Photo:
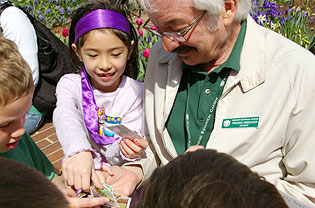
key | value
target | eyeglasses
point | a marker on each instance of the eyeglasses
(175, 36)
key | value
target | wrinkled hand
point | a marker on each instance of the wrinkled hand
(125, 179)
(132, 149)
(78, 170)
(194, 148)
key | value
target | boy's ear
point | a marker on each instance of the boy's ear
(75, 49)
(131, 49)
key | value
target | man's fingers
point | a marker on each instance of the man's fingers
(97, 179)
(194, 148)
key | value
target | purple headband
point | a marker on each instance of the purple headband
(101, 18)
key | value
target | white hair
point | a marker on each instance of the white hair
(213, 8)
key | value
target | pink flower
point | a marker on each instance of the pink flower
(65, 32)
(140, 32)
(139, 21)
(146, 52)
(153, 27)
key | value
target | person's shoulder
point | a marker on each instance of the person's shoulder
(134, 84)
(12, 10)
(70, 78)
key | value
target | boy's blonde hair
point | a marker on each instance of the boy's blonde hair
(15, 74)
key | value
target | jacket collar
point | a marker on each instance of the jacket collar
(253, 58)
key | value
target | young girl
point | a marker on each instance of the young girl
(103, 94)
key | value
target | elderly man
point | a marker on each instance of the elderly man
(217, 80)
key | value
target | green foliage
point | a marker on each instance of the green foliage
(52, 13)
(293, 23)
(146, 40)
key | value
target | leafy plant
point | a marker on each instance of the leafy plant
(146, 40)
(52, 13)
(293, 23)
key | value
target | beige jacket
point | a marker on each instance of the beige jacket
(276, 83)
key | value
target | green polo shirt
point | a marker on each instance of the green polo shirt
(203, 89)
(28, 153)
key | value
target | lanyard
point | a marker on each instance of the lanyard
(208, 118)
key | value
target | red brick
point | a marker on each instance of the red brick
(43, 134)
(53, 138)
(51, 148)
(43, 143)
(46, 126)
(57, 166)
(56, 156)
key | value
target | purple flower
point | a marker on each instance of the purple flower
(60, 19)
(149, 39)
(41, 17)
(62, 11)
(47, 11)
(70, 10)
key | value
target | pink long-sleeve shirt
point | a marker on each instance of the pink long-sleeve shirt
(125, 102)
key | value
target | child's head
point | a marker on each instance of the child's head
(206, 178)
(16, 92)
(22, 186)
(105, 41)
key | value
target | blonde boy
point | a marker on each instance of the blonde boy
(16, 92)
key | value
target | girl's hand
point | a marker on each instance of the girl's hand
(132, 149)
(78, 170)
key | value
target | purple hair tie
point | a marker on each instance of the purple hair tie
(100, 18)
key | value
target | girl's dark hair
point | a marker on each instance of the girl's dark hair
(207, 179)
(132, 68)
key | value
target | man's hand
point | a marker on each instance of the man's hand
(194, 148)
(125, 179)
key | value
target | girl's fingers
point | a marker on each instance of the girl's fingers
(131, 145)
(77, 181)
(70, 180)
(141, 143)
(128, 152)
(86, 180)
(121, 146)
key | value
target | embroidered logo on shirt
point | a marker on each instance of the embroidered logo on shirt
(245, 122)
(104, 121)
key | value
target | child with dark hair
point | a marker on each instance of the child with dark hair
(22, 186)
(102, 42)
(208, 179)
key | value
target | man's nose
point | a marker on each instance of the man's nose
(168, 44)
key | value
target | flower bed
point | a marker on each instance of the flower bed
(294, 23)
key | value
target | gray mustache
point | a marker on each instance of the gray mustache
(183, 48)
